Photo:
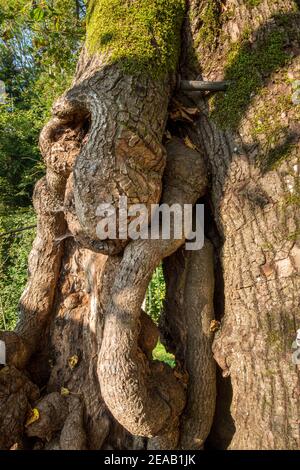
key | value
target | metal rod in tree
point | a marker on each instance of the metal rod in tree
(197, 85)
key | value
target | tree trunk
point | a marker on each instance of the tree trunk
(99, 385)
(250, 136)
(80, 373)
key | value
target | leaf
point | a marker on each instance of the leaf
(64, 392)
(33, 416)
(215, 326)
(15, 447)
(73, 361)
(168, 135)
(4, 370)
(189, 143)
(183, 113)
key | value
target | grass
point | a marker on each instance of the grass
(160, 354)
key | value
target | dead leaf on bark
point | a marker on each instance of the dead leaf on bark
(179, 112)
(15, 447)
(215, 326)
(73, 361)
(33, 416)
(64, 392)
(190, 144)
(168, 135)
(268, 269)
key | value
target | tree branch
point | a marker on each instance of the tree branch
(11, 232)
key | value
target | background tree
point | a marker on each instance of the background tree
(39, 44)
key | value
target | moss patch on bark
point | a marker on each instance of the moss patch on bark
(251, 63)
(211, 24)
(143, 36)
(247, 68)
(253, 3)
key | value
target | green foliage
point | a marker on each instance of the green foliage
(154, 304)
(39, 42)
(141, 35)
(39, 45)
(20, 164)
(43, 38)
(160, 354)
(14, 251)
(156, 294)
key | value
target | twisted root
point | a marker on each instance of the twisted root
(147, 399)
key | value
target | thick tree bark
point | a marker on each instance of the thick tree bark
(255, 199)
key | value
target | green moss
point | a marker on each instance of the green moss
(211, 23)
(276, 341)
(281, 152)
(253, 3)
(267, 246)
(292, 200)
(294, 236)
(247, 67)
(143, 36)
(279, 141)
(281, 340)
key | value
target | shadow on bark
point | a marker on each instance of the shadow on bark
(251, 65)
(223, 428)
(250, 68)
